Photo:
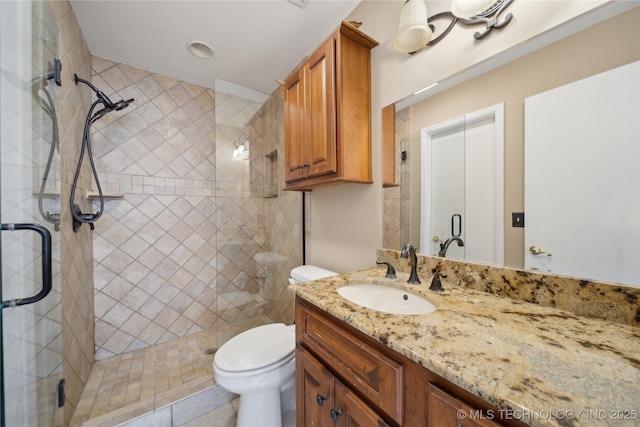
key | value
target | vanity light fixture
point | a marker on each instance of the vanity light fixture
(416, 29)
(241, 153)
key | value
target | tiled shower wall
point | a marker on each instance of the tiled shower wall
(197, 241)
(283, 213)
(76, 249)
(397, 200)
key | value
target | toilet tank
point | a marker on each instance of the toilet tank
(305, 273)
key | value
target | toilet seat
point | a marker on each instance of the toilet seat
(257, 350)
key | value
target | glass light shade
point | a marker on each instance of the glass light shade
(241, 153)
(467, 9)
(413, 32)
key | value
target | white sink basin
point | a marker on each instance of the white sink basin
(386, 299)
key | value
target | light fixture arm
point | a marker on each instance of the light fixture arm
(436, 17)
(491, 18)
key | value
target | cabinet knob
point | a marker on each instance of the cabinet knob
(335, 413)
(299, 167)
(321, 398)
(305, 165)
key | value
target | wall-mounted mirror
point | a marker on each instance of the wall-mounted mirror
(581, 55)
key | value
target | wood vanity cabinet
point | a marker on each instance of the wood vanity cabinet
(328, 402)
(327, 113)
(343, 374)
(445, 410)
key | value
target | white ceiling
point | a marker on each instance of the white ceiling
(255, 41)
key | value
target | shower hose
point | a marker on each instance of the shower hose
(80, 218)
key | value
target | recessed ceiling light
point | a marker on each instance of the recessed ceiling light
(200, 49)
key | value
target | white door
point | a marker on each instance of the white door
(582, 178)
(445, 192)
(462, 186)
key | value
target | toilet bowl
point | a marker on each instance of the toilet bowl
(259, 365)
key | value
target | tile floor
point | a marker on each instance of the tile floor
(128, 386)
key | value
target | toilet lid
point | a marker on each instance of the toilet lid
(256, 348)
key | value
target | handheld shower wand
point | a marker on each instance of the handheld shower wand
(80, 218)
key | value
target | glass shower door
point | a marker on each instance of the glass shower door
(31, 345)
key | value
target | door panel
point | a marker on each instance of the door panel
(447, 190)
(315, 394)
(462, 186)
(31, 345)
(322, 111)
(350, 411)
(582, 178)
(294, 116)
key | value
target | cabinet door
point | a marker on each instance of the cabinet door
(295, 126)
(448, 411)
(371, 372)
(350, 411)
(322, 111)
(314, 391)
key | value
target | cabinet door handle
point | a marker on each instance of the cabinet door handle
(320, 398)
(305, 165)
(299, 167)
(335, 413)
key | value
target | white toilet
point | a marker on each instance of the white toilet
(259, 365)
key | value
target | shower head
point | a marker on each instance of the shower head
(104, 99)
(122, 104)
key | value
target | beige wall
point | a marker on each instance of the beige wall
(346, 221)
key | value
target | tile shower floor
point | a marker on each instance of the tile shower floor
(131, 385)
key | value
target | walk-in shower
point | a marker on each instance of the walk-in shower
(108, 106)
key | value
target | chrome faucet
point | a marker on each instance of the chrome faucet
(408, 251)
(444, 246)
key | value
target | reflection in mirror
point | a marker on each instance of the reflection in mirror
(461, 183)
(573, 58)
(579, 224)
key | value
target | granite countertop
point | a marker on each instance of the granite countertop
(544, 366)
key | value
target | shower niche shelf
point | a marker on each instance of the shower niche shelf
(108, 195)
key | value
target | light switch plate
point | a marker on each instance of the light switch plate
(517, 219)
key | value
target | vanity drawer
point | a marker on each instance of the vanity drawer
(367, 369)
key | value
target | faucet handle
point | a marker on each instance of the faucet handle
(391, 272)
(436, 284)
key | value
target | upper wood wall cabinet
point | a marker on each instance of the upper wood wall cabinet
(327, 113)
